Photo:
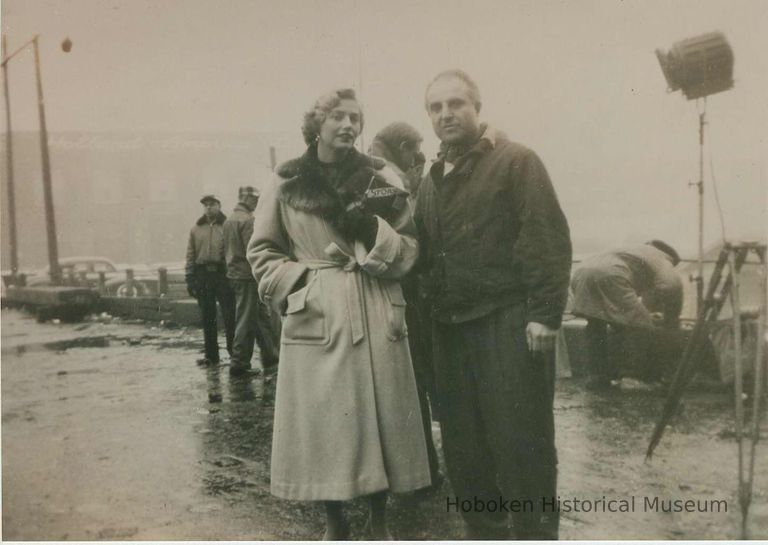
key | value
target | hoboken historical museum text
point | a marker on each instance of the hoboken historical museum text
(629, 504)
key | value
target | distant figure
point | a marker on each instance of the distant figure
(633, 291)
(252, 316)
(400, 145)
(206, 277)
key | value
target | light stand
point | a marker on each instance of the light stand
(699, 66)
(699, 279)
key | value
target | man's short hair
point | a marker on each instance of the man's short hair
(398, 132)
(474, 90)
(667, 249)
(315, 116)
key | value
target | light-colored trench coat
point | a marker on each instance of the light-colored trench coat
(347, 418)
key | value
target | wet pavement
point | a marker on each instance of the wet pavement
(110, 431)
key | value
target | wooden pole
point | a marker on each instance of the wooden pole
(162, 281)
(272, 157)
(102, 283)
(12, 235)
(50, 220)
(129, 283)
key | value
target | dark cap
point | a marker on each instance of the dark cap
(247, 191)
(209, 198)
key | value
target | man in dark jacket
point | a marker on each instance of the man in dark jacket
(400, 145)
(251, 315)
(497, 249)
(206, 277)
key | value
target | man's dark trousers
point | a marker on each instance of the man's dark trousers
(253, 323)
(495, 405)
(420, 344)
(212, 286)
(642, 352)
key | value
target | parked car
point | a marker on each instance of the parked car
(73, 269)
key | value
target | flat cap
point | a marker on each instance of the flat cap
(209, 198)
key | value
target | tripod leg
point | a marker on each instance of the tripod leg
(759, 372)
(738, 389)
(685, 367)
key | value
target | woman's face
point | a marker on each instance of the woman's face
(341, 126)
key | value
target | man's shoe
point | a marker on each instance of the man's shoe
(242, 371)
(270, 372)
(337, 534)
(599, 384)
(205, 362)
(478, 533)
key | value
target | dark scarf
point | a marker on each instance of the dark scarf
(220, 218)
(454, 153)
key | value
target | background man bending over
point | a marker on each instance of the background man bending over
(636, 292)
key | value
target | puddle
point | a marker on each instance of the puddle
(101, 341)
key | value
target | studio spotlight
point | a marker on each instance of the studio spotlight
(699, 66)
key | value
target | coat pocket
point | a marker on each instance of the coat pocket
(304, 321)
(396, 327)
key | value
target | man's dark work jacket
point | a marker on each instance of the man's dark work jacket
(492, 234)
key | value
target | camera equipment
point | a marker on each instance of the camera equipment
(699, 66)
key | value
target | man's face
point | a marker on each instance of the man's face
(251, 201)
(211, 208)
(341, 126)
(408, 153)
(453, 114)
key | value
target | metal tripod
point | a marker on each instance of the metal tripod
(734, 256)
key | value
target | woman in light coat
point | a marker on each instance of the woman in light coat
(347, 420)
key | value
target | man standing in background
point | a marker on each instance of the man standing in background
(497, 249)
(206, 277)
(251, 315)
(400, 145)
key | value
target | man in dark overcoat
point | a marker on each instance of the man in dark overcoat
(206, 276)
(497, 249)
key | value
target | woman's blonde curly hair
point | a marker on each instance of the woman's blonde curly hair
(315, 116)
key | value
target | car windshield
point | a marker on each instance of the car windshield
(87, 266)
(103, 266)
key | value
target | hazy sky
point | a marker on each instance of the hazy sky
(577, 81)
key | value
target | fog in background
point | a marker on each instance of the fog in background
(577, 81)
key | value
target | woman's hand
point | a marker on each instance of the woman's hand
(358, 225)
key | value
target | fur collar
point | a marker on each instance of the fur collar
(219, 219)
(309, 189)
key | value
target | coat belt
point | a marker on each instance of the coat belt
(354, 286)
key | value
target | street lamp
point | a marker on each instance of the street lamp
(50, 221)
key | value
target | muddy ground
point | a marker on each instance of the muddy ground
(108, 433)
